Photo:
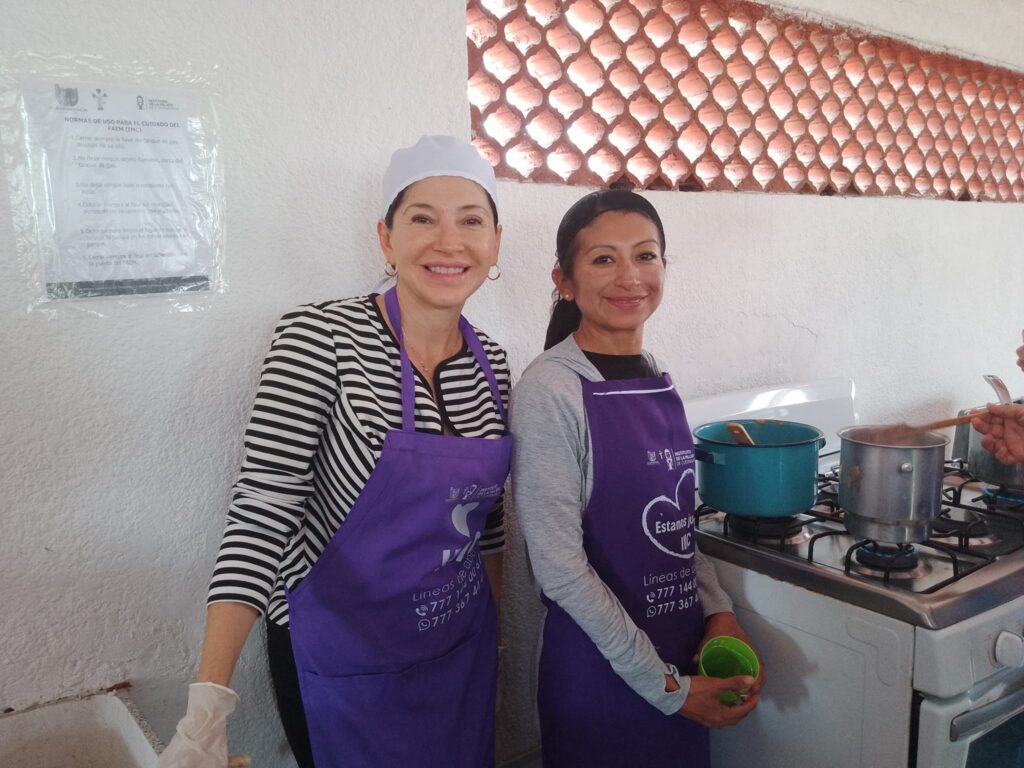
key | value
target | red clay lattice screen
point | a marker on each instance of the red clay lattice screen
(661, 94)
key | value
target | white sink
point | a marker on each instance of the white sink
(97, 731)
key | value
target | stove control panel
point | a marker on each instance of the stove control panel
(1009, 649)
(990, 643)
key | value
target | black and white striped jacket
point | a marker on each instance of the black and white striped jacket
(328, 393)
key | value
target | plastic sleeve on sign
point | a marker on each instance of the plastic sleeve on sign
(116, 184)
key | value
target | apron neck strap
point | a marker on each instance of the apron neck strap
(481, 358)
(408, 377)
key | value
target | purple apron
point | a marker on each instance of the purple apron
(638, 533)
(394, 629)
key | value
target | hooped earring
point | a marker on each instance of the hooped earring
(390, 269)
(497, 267)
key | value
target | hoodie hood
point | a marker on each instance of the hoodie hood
(567, 355)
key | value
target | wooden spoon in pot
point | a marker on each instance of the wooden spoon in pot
(739, 433)
(899, 432)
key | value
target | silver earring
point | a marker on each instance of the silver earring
(494, 266)
(390, 269)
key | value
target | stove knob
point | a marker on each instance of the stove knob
(1010, 649)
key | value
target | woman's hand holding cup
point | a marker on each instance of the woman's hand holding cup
(704, 700)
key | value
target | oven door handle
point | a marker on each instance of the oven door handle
(987, 717)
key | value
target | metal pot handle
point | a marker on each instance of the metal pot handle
(708, 457)
(1002, 393)
(821, 442)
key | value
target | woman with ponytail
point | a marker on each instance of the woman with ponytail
(603, 484)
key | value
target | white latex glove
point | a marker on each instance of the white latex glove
(201, 740)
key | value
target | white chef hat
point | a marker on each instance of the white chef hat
(435, 156)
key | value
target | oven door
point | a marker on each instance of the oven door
(984, 727)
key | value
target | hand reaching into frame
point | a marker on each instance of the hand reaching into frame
(1003, 430)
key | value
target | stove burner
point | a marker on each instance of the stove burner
(887, 557)
(1010, 498)
(965, 523)
(828, 488)
(968, 536)
(754, 528)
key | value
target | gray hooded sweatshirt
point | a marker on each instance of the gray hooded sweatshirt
(552, 480)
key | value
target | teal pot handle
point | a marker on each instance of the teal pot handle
(709, 457)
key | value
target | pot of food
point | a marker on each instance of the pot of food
(890, 482)
(980, 463)
(777, 476)
(987, 468)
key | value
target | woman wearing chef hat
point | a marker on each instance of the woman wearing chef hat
(603, 484)
(371, 484)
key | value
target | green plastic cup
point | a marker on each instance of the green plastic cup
(726, 656)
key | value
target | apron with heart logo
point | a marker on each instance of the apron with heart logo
(638, 533)
(394, 630)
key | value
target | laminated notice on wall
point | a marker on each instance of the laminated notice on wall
(121, 188)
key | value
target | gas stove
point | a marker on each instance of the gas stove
(877, 654)
(966, 567)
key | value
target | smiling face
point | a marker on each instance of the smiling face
(618, 273)
(443, 240)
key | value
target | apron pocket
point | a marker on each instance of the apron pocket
(439, 712)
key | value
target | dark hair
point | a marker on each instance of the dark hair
(565, 315)
(389, 217)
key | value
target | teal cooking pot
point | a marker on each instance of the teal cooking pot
(775, 477)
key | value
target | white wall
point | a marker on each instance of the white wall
(121, 435)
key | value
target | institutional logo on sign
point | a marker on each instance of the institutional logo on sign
(101, 98)
(66, 97)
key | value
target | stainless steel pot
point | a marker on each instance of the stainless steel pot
(982, 464)
(987, 468)
(890, 493)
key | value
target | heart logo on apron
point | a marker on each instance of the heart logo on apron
(459, 514)
(665, 526)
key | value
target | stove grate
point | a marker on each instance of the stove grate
(963, 557)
